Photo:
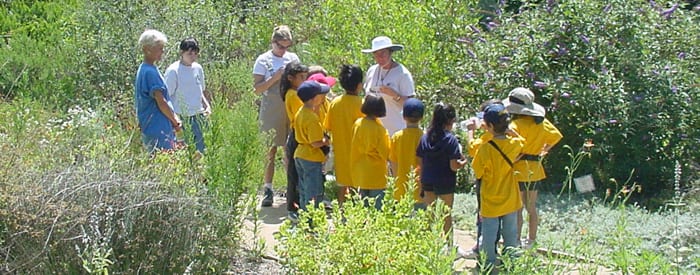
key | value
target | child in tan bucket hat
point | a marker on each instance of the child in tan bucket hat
(528, 120)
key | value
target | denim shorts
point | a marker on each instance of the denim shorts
(377, 194)
(196, 125)
(310, 182)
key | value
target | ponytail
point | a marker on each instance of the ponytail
(442, 115)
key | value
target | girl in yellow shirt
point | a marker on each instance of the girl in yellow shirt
(370, 151)
(342, 114)
(294, 74)
(540, 135)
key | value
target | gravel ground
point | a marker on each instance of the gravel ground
(250, 265)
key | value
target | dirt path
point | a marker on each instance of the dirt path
(270, 219)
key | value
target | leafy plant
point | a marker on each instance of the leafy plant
(576, 159)
(359, 239)
(82, 199)
(619, 72)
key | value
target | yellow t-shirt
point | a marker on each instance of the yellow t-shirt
(500, 194)
(536, 136)
(292, 103)
(342, 114)
(475, 143)
(403, 152)
(308, 129)
(369, 154)
(323, 110)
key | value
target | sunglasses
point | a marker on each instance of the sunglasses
(282, 47)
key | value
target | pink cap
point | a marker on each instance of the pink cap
(320, 78)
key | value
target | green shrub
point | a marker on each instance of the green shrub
(362, 240)
(331, 33)
(624, 238)
(620, 72)
(35, 62)
(78, 196)
(625, 79)
(235, 154)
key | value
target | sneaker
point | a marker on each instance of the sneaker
(471, 254)
(327, 205)
(463, 254)
(267, 197)
(293, 217)
(526, 244)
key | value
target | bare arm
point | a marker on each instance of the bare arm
(207, 106)
(394, 94)
(165, 109)
(261, 85)
(456, 164)
(320, 143)
(207, 96)
(418, 170)
(545, 150)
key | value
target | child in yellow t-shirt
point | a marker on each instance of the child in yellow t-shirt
(402, 153)
(500, 198)
(474, 142)
(540, 135)
(330, 82)
(342, 114)
(308, 157)
(370, 151)
(294, 74)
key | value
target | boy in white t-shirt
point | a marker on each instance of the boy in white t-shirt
(185, 81)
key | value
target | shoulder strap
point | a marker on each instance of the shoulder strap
(502, 154)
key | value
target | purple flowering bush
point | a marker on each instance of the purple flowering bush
(623, 73)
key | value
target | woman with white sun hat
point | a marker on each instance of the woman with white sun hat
(391, 80)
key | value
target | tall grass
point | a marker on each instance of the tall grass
(80, 195)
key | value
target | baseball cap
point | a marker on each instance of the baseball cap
(494, 112)
(309, 89)
(413, 107)
(321, 78)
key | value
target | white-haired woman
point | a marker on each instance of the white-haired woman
(154, 110)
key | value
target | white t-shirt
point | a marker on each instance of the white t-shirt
(186, 88)
(397, 78)
(272, 113)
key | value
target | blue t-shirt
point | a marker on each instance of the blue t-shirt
(435, 158)
(154, 125)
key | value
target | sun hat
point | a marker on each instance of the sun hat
(521, 101)
(494, 112)
(383, 42)
(310, 88)
(413, 108)
(321, 78)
